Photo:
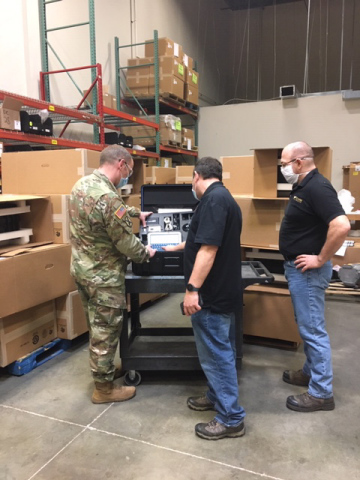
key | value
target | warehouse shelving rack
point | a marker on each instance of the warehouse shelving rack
(154, 105)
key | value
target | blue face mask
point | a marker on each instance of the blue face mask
(123, 182)
(194, 193)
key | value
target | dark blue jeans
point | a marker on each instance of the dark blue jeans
(215, 342)
(308, 298)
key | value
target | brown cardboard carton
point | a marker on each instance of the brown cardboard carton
(35, 222)
(191, 94)
(184, 173)
(107, 97)
(188, 138)
(10, 114)
(168, 84)
(142, 135)
(352, 255)
(165, 47)
(268, 312)
(159, 175)
(134, 200)
(170, 130)
(70, 316)
(351, 181)
(238, 174)
(261, 221)
(165, 162)
(60, 218)
(168, 66)
(25, 331)
(32, 276)
(192, 78)
(46, 171)
(137, 77)
(188, 61)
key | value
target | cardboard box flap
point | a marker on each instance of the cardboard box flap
(9, 197)
(12, 104)
(14, 250)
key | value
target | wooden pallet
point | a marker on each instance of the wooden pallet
(192, 106)
(173, 98)
(193, 149)
(340, 289)
(271, 342)
(171, 143)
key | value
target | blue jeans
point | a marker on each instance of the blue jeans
(308, 298)
(215, 342)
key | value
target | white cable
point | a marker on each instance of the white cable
(342, 44)
(306, 67)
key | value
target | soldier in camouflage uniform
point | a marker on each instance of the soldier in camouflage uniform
(102, 241)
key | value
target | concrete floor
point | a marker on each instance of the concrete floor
(51, 430)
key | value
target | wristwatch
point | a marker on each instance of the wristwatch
(191, 288)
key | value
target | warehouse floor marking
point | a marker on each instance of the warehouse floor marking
(143, 442)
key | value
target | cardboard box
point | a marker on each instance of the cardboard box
(168, 66)
(187, 138)
(191, 94)
(261, 221)
(352, 255)
(134, 201)
(159, 175)
(137, 77)
(192, 78)
(60, 218)
(351, 181)
(170, 130)
(167, 84)
(266, 169)
(188, 61)
(184, 173)
(46, 171)
(107, 99)
(165, 162)
(32, 276)
(142, 135)
(34, 215)
(25, 331)
(268, 313)
(165, 47)
(238, 174)
(70, 316)
(10, 114)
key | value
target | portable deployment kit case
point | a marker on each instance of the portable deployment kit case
(172, 207)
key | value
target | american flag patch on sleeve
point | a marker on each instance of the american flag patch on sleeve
(120, 212)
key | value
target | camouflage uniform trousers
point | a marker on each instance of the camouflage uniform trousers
(105, 319)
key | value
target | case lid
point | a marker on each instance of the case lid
(179, 196)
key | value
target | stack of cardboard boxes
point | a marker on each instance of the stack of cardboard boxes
(176, 73)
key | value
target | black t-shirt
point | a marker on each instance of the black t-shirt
(313, 204)
(217, 221)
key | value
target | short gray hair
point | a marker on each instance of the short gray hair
(113, 153)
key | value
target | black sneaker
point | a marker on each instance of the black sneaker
(307, 403)
(215, 430)
(200, 403)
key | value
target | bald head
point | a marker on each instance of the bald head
(298, 150)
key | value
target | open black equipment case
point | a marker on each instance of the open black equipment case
(180, 204)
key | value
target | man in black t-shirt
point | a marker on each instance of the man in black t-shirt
(313, 229)
(212, 268)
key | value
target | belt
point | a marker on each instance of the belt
(289, 258)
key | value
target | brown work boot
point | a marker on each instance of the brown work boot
(200, 403)
(108, 392)
(297, 377)
(307, 403)
(215, 430)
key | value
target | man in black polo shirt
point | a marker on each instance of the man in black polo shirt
(212, 268)
(313, 229)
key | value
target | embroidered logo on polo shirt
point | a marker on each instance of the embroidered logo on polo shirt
(120, 212)
(297, 199)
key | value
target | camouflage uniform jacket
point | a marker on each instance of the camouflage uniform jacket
(101, 234)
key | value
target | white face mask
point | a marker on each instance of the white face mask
(289, 174)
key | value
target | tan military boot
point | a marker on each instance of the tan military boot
(108, 392)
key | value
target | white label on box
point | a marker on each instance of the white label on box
(17, 125)
(226, 175)
(186, 60)
(277, 226)
(357, 168)
(176, 49)
(342, 250)
(189, 144)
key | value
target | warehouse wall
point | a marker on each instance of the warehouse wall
(324, 120)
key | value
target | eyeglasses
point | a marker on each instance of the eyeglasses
(130, 169)
(284, 164)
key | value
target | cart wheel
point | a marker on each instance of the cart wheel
(132, 378)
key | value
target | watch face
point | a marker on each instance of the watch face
(191, 287)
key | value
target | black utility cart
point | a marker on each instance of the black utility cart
(170, 348)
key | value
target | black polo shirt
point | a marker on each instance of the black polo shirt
(217, 221)
(313, 204)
